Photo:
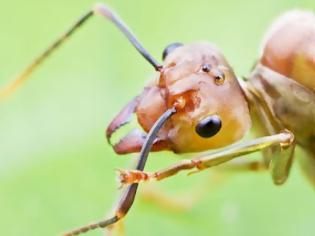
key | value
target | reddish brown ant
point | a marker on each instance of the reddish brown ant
(196, 103)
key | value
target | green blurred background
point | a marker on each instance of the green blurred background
(57, 171)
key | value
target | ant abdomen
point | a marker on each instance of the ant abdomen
(289, 47)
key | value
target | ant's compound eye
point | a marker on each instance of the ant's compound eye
(209, 126)
(170, 48)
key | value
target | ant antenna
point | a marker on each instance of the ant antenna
(99, 9)
(106, 12)
(128, 195)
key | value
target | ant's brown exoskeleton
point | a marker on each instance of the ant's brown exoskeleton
(196, 103)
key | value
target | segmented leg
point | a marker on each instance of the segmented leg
(151, 192)
(242, 165)
(207, 160)
(281, 161)
(307, 163)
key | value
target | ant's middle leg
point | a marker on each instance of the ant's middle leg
(152, 193)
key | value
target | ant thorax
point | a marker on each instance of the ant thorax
(287, 103)
(284, 77)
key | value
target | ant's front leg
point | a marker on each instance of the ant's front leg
(152, 193)
(279, 169)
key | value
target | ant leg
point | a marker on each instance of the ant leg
(242, 165)
(281, 159)
(278, 159)
(207, 160)
(98, 9)
(307, 162)
(153, 194)
(128, 196)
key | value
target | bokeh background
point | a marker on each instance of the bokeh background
(56, 169)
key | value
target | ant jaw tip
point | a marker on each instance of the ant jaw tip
(108, 138)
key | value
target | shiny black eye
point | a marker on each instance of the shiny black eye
(209, 126)
(170, 48)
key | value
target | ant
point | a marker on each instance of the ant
(196, 103)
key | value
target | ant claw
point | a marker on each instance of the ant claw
(122, 177)
(131, 176)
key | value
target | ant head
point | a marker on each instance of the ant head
(212, 109)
